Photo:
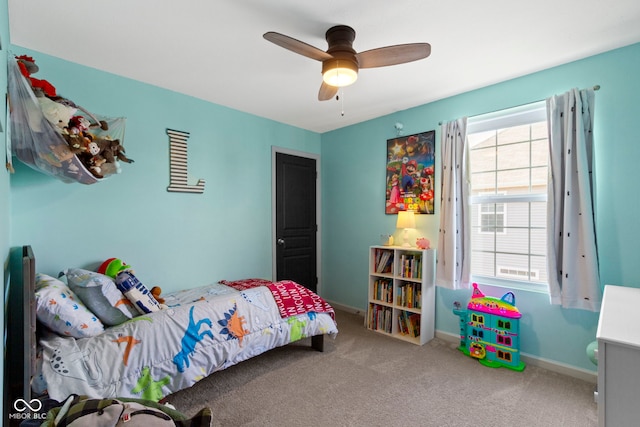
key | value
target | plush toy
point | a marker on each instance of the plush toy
(57, 114)
(79, 141)
(87, 151)
(28, 67)
(101, 153)
(93, 163)
(111, 150)
(42, 88)
(423, 243)
(156, 291)
(77, 125)
(112, 267)
(136, 292)
(94, 153)
(69, 103)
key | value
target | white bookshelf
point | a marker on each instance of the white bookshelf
(401, 300)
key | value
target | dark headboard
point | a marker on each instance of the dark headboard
(20, 327)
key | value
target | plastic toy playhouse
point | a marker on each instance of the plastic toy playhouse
(490, 330)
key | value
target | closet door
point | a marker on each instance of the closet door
(296, 222)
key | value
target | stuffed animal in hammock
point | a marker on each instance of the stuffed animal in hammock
(28, 67)
(111, 149)
(103, 157)
(61, 107)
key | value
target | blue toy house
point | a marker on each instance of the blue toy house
(490, 330)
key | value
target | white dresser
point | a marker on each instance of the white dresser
(619, 357)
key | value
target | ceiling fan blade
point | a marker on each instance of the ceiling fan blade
(393, 55)
(296, 46)
(327, 92)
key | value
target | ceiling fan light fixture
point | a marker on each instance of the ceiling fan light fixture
(340, 62)
(339, 73)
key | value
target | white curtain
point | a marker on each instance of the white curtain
(454, 247)
(572, 260)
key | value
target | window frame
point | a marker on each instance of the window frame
(502, 119)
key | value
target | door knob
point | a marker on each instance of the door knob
(280, 242)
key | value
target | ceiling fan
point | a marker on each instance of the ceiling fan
(340, 63)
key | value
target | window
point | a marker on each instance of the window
(477, 333)
(504, 340)
(504, 355)
(492, 218)
(477, 318)
(504, 325)
(508, 171)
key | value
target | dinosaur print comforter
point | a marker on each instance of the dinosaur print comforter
(204, 330)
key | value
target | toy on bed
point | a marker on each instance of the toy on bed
(147, 301)
(137, 293)
(112, 266)
(156, 291)
(490, 330)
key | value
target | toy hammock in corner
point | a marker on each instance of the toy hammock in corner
(54, 136)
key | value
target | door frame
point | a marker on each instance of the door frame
(316, 157)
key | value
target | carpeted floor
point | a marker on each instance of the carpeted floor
(366, 379)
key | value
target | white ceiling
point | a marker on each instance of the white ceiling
(214, 50)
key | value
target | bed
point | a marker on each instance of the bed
(199, 331)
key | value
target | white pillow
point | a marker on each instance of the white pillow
(101, 295)
(58, 308)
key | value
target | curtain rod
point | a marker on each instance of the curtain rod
(595, 87)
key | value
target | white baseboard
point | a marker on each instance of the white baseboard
(551, 365)
(347, 308)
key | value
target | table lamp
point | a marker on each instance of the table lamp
(406, 220)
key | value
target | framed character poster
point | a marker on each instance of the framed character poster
(410, 173)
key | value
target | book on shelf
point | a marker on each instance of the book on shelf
(383, 260)
(409, 324)
(383, 290)
(380, 318)
(402, 326)
(414, 320)
(409, 295)
(412, 332)
(411, 266)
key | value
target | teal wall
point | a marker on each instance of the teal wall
(353, 160)
(172, 240)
